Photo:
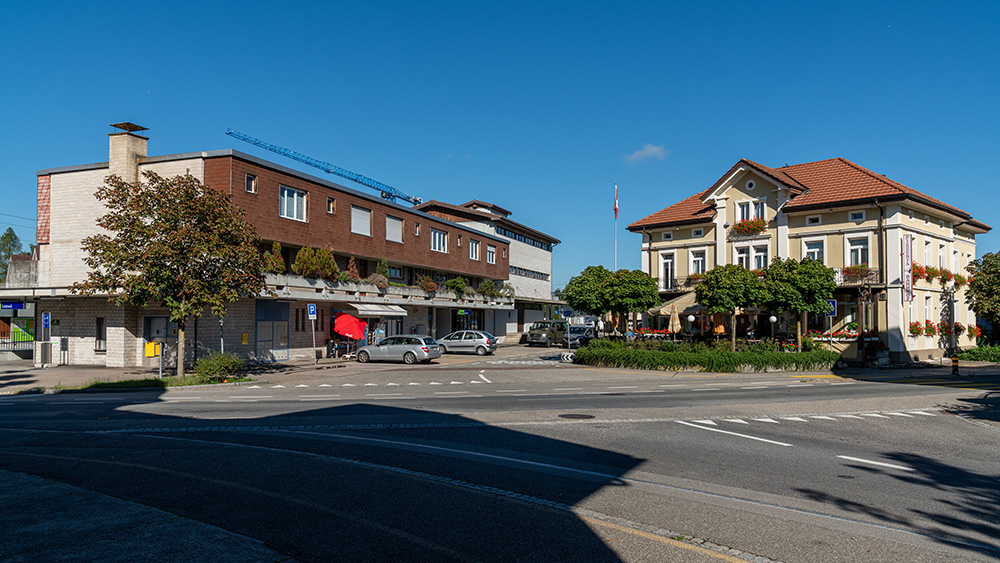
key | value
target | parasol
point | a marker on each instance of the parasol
(349, 326)
(718, 327)
(675, 320)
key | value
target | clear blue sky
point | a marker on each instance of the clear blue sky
(539, 107)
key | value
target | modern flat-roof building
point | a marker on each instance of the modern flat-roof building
(285, 206)
(530, 260)
(873, 231)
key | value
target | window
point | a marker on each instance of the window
(743, 257)
(361, 221)
(909, 213)
(759, 257)
(439, 241)
(856, 215)
(416, 229)
(744, 211)
(100, 335)
(695, 233)
(491, 254)
(666, 236)
(814, 250)
(393, 229)
(293, 204)
(251, 184)
(927, 308)
(750, 185)
(331, 206)
(941, 255)
(473, 249)
(698, 262)
(760, 209)
(927, 253)
(458, 241)
(395, 272)
(858, 250)
(813, 220)
(669, 273)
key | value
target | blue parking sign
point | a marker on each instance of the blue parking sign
(312, 311)
(833, 307)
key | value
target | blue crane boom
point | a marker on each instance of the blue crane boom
(388, 192)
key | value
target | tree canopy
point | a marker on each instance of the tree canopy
(983, 293)
(632, 291)
(727, 288)
(174, 242)
(799, 287)
(10, 244)
(587, 291)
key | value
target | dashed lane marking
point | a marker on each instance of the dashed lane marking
(878, 463)
(734, 434)
(795, 418)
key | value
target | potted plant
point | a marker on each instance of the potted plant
(918, 272)
(944, 328)
(748, 227)
(959, 329)
(930, 329)
(856, 271)
(916, 329)
(945, 275)
(931, 272)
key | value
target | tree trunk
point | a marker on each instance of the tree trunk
(732, 329)
(798, 332)
(180, 350)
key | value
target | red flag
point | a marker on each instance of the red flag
(616, 201)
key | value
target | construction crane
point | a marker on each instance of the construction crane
(388, 192)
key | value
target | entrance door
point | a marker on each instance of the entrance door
(271, 341)
(669, 273)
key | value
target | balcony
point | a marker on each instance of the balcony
(678, 285)
(853, 276)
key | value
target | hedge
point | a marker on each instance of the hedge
(981, 354)
(620, 355)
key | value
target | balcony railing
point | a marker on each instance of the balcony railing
(854, 278)
(679, 284)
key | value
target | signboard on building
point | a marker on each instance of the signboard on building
(907, 267)
(11, 305)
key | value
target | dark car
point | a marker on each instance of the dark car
(579, 335)
(478, 341)
(407, 349)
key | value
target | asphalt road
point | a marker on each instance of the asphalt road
(518, 457)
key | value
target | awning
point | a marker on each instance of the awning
(685, 304)
(372, 310)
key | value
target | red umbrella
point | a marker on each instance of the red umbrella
(351, 327)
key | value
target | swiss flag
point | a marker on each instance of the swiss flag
(616, 201)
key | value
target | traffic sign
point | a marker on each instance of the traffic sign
(833, 307)
(46, 318)
(312, 311)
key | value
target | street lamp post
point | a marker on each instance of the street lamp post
(773, 319)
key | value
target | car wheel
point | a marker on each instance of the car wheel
(409, 357)
(481, 351)
(548, 343)
(363, 357)
(444, 350)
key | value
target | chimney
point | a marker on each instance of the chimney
(126, 148)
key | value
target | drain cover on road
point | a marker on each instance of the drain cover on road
(576, 416)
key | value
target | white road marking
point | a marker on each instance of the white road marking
(348, 385)
(301, 386)
(456, 383)
(923, 413)
(705, 422)
(474, 382)
(795, 418)
(483, 377)
(733, 433)
(675, 385)
(251, 396)
(707, 389)
(569, 389)
(511, 390)
(879, 463)
(736, 420)
(451, 392)
(383, 394)
(849, 416)
(767, 420)
(625, 387)
(824, 417)
(326, 385)
(435, 383)
(755, 387)
(873, 415)
(716, 384)
(413, 383)
(844, 383)
(371, 384)
(277, 387)
(392, 385)
(184, 398)
(800, 385)
(318, 396)
(901, 414)
(254, 387)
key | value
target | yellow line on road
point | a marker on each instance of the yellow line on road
(662, 539)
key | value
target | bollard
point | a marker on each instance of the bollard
(954, 365)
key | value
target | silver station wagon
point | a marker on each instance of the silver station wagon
(408, 349)
(477, 341)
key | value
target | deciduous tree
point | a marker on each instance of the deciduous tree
(174, 242)
(10, 244)
(728, 288)
(799, 287)
(983, 293)
(587, 291)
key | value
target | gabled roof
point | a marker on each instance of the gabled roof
(835, 182)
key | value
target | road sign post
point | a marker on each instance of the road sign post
(829, 316)
(312, 320)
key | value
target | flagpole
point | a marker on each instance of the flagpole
(616, 226)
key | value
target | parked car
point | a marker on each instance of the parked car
(545, 333)
(407, 349)
(579, 335)
(477, 341)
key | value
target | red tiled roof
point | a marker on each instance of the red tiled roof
(836, 181)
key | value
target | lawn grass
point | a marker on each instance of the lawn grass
(157, 383)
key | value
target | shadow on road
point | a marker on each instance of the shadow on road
(976, 512)
(354, 482)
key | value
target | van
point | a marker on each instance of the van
(547, 332)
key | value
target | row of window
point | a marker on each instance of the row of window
(524, 272)
(521, 238)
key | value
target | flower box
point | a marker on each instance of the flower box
(749, 227)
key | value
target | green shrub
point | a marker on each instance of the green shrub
(457, 285)
(305, 262)
(678, 356)
(326, 264)
(981, 354)
(218, 366)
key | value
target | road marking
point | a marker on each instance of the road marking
(736, 420)
(901, 414)
(733, 433)
(277, 387)
(844, 383)
(873, 415)
(568, 389)
(755, 387)
(326, 385)
(251, 396)
(392, 385)
(849, 416)
(383, 394)
(800, 385)
(795, 418)
(348, 385)
(705, 422)
(456, 383)
(625, 387)
(301, 386)
(716, 384)
(824, 417)
(767, 420)
(371, 384)
(413, 383)
(184, 398)
(511, 390)
(923, 413)
(675, 385)
(483, 377)
(707, 389)
(451, 392)
(879, 463)
(254, 387)
(435, 383)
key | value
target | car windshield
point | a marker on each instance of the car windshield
(540, 326)
(576, 330)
